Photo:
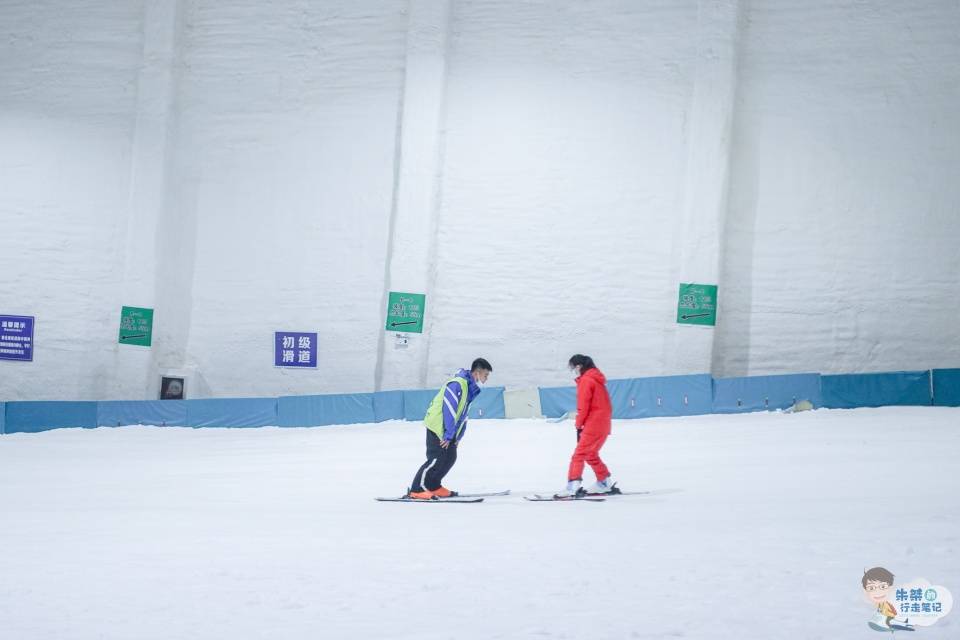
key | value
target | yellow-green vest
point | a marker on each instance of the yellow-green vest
(434, 418)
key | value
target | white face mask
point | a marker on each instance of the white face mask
(576, 372)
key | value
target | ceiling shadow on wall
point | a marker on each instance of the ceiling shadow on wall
(731, 345)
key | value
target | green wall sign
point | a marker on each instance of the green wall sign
(136, 326)
(697, 304)
(405, 312)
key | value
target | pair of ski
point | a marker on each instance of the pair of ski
(588, 497)
(469, 498)
(460, 498)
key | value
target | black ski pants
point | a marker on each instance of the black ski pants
(439, 462)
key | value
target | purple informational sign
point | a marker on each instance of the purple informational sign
(16, 338)
(293, 349)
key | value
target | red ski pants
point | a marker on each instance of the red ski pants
(588, 452)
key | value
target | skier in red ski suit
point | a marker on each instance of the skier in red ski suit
(593, 426)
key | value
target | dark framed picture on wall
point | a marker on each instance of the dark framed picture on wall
(172, 388)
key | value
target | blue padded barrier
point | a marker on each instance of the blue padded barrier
(311, 411)
(387, 405)
(765, 393)
(162, 413)
(415, 403)
(946, 387)
(32, 417)
(875, 389)
(661, 396)
(232, 412)
(3, 417)
(640, 397)
(489, 404)
(556, 401)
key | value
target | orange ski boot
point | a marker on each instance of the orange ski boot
(443, 492)
(420, 495)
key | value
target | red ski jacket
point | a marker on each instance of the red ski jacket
(593, 403)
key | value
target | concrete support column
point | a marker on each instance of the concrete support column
(411, 252)
(156, 89)
(699, 228)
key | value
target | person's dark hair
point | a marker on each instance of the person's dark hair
(584, 362)
(879, 574)
(480, 365)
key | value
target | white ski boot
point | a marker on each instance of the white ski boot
(573, 488)
(609, 485)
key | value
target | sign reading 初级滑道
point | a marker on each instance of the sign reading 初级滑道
(294, 349)
(697, 304)
(16, 338)
(405, 312)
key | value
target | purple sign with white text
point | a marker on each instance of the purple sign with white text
(293, 349)
(16, 338)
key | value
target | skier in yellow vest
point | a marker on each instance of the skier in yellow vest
(446, 420)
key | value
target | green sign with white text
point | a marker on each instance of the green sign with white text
(405, 312)
(697, 304)
(136, 326)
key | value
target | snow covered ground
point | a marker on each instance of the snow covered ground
(763, 529)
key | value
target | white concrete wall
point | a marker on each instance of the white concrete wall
(68, 90)
(286, 140)
(547, 172)
(562, 174)
(844, 222)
